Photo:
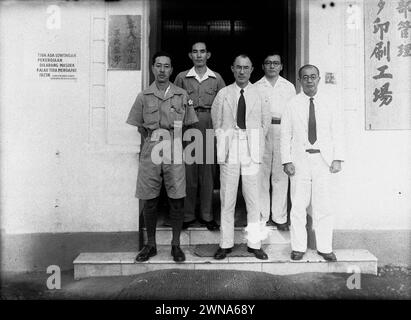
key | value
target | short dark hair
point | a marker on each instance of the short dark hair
(160, 54)
(272, 53)
(244, 56)
(198, 41)
(307, 66)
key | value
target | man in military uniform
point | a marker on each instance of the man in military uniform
(202, 85)
(159, 112)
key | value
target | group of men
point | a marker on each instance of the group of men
(249, 122)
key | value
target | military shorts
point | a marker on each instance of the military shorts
(151, 175)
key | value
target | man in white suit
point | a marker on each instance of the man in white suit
(277, 91)
(311, 150)
(240, 120)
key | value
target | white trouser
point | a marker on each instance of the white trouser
(311, 183)
(272, 171)
(239, 162)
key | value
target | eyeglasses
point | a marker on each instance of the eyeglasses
(272, 63)
(239, 68)
(313, 77)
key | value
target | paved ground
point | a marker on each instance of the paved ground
(392, 282)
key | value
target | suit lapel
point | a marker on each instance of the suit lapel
(232, 99)
(250, 101)
(302, 114)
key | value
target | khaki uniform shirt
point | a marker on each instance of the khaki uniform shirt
(152, 111)
(201, 91)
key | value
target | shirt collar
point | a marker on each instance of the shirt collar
(152, 89)
(192, 73)
(308, 97)
(238, 89)
(265, 82)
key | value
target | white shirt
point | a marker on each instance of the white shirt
(277, 95)
(192, 73)
(302, 102)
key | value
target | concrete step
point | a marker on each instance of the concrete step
(201, 235)
(95, 264)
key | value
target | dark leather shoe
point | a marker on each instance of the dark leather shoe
(328, 256)
(297, 255)
(282, 226)
(177, 254)
(270, 223)
(146, 253)
(259, 253)
(188, 223)
(212, 225)
(221, 253)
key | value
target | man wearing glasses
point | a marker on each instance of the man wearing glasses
(311, 150)
(276, 91)
(240, 120)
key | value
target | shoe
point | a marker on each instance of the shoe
(177, 254)
(146, 253)
(167, 224)
(282, 226)
(328, 256)
(270, 223)
(297, 255)
(221, 253)
(259, 253)
(188, 223)
(211, 225)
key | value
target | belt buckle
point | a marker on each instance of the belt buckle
(242, 134)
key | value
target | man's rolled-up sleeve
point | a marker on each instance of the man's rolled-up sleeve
(190, 116)
(135, 116)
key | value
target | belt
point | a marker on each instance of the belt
(202, 109)
(150, 131)
(241, 134)
(313, 150)
(275, 121)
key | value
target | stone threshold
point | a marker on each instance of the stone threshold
(100, 264)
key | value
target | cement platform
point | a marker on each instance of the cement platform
(279, 263)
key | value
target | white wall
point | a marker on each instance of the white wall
(63, 170)
(374, 189)
(58, 171)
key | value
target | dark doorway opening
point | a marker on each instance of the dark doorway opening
(229, 27)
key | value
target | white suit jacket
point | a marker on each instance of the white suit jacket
(224, 115)
(276, 96)
(294, 129)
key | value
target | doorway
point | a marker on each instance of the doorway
(229, 28)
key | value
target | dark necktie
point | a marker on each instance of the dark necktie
(241, 111)
(312, 127)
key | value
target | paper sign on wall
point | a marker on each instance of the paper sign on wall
(57, 66)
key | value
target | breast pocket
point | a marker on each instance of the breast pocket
(177, 113)
(209, 96)
(151, 116)
(177, 109)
